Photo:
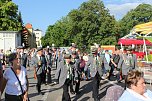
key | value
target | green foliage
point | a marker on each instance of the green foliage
(9, 17)
(141, 14)
(88, 24)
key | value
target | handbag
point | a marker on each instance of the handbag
(20, 84)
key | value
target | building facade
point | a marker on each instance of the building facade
(38, 34)
(9, 40)
(28, 36)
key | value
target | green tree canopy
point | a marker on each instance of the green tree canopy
(9, 17)
(141, 14)
(90, 23)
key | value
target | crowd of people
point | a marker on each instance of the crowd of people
(72, 66)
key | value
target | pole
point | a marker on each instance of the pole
(145, 50)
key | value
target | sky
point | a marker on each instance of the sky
(42, 13)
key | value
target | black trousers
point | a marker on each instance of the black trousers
(66, 96)
(13, 97)
(48, 75)
(39, 82)
(95, 86)
(77, 85)
(111, 71)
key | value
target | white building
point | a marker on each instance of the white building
(9, 40)
(38, 34)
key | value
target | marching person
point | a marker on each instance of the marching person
(106, 60)
(15, 81)
(23, 56)
(48, 57)
(39, 63)
(127, 62)
(114, 64)
(95, 63)
(76, 61)
(66, 69)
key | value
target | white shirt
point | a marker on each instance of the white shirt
(146, 98)
(12, 86)
(107, 56)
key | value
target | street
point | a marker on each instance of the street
(54, 92)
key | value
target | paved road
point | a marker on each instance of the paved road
(54, 92)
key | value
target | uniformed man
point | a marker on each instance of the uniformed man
(95, 63)
(66, 69)
(39, 63)
(76, 61)
(127, 62)
(48, 57)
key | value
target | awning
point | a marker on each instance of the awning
(133, 41)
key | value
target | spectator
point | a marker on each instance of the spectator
(15, 80)
(136, 88)
(2, 58)
(1, 77)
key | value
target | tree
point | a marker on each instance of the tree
(9, 16)
(141, 14)
(90, 23)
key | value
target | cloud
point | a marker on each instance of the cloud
(119, 8)
(137, 1)
(126, 1)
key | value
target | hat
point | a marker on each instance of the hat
(73, 45)
(20, 47)
(39, 49)
(74, 52)
(67, 56)
(94, 50)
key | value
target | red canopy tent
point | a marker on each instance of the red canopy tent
(134, 41)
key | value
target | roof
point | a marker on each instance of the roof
(28, 26)
(133, 41)
(145, 28)
(37, 30)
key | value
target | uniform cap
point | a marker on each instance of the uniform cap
(20, 47)
(94, 50)
(39, 49)
(67, 56)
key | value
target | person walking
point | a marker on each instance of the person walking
(106, 60)
(114, 64)
(23, 56)
(95, 63)
(127, 62)
(15, 81)
(76, 61)
(66, 70)
(48, 57)
(39, 68)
